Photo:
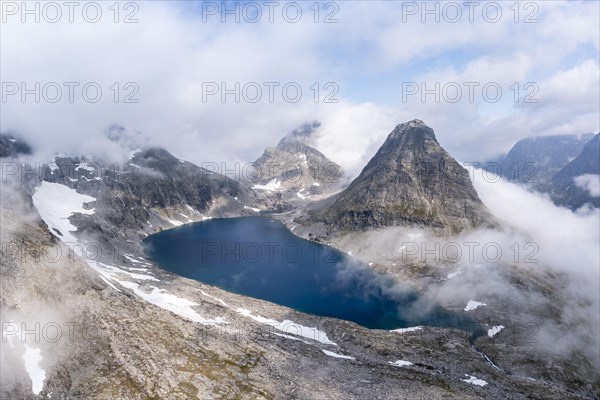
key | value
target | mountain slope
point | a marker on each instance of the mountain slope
(577, 183)
(411, 180)
(11, 147)
(151, 189)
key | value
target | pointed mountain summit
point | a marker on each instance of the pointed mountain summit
(411, 180)
(296, 169)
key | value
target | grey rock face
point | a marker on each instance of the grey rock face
(296, 169)
(565, 191)
(411, 180)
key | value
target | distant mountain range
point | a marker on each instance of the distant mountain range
(553, 164)
(411, 180)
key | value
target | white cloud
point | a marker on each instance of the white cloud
(589, 182)
(568, 241)
(171, 52)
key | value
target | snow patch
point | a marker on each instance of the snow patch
(410, 329)
(97, 178)
(185, 216)
(336, 355)
(134, 260)
(474, 381)
(213, 297)
(289, 337)
(272, 185)
(494, 330)
(86, 166)
(400, 363)
(300, 195)
(174, 222)
(170, 302)
(291, 327)
(53, 167)
(472, 305)
(56, 203)
(134, 152)
(37, 375)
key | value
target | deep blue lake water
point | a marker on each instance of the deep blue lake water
(261, 258)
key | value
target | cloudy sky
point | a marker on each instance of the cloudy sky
(373, 58)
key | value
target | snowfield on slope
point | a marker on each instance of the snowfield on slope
(410, 329)
(272, 185)
(472, 305)
(290, 327)
(494, 330)
(32, 358)
(56, 203)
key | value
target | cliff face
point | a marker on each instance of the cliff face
(411, 180)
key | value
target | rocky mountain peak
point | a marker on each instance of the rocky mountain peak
(301, 133)
(414, 128)
(411, 180)
(410, 136)
(295, 169)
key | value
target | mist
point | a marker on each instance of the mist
(555, 250)
(151, 74)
